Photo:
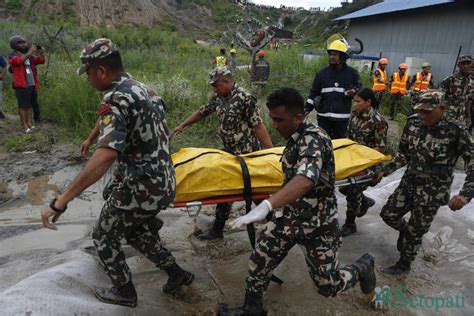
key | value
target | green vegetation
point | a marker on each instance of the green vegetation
(173, 65)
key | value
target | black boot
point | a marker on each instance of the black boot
(125, 295)
(364, 207)
(348, 229)
(365, 267)
(177, 278)
(401, 236)
(252, 307)
(213, 233)
(400, 268)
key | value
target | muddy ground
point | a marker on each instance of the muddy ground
(46, 272)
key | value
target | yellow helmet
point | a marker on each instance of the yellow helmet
(339, 46)
(232, 50)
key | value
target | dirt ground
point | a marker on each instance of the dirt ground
(46, 272)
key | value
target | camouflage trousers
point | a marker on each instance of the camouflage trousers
(140, 230)
(223, 210)
(379, 96)
(395, 103)
(422, 202)
(320, 249)
(354, 197)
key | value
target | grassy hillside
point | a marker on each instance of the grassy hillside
(174, 65)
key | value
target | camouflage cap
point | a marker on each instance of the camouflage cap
(218, 72)
(100, 48)
(430, 100)
(465, 58)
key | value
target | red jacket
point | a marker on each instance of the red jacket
(19, 72)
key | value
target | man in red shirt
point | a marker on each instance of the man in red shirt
(23, 61)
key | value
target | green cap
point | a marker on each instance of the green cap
(430, 100)
(100, 48)
(217, 73)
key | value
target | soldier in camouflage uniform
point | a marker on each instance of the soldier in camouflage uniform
(458, 89)
(133, 132)
(305, 212)
(241, 129)
(368, 128)
(430, 145)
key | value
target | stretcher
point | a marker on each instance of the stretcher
(209, 176)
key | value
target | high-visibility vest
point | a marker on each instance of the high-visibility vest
(399, 86)
(420, 83)
(220, 61)
(380, 86)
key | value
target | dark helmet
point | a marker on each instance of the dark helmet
(14, 40)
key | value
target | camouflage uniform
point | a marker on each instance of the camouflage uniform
(458, 89)
(238, 116)
(430, 155)
(260, 74)
(311, 221)
(368, 129)
(132, 122)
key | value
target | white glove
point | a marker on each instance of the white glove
(258, 214)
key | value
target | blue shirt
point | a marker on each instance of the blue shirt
(3, 62)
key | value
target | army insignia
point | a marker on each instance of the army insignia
(104, 108)
(106, 119)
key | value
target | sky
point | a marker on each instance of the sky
(301, 3)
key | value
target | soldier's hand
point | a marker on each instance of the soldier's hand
(176, 131)
(258, 214)
(85, 147)
(48, 213)
(377, 178)
(457, 202)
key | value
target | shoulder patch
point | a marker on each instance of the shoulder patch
(106, 119)
(104, 108)
(380, 126)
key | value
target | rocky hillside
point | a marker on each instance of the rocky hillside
(209, 17)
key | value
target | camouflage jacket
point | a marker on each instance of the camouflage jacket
(458, 89)
(368, 129)
(238, 115)
(309, 153)
(133, 123)
(431, 154)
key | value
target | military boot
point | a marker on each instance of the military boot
(125, 295)
(215, 232)
(365, 266)
(400, 268)
(177, 278)
(348, 229)
(365, 205)
(400, 240)
(252, 307)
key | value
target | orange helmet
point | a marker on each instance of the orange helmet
(403, 66)
(383, 61)
(261, 53)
